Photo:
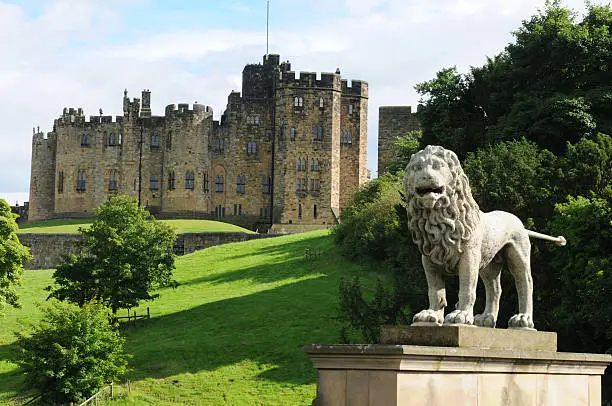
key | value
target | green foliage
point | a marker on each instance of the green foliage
(403, 148)
(584, 271)
(71, 353)
(369, 223)
(126, 254)
(551, 86)
(515, 176)
(12, 257)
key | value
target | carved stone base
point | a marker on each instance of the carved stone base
(407, 375)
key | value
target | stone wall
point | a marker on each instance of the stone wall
(393, 122)
(47, 249)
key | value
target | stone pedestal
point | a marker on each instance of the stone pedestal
(458, 373)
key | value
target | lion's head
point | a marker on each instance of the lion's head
(442, 213)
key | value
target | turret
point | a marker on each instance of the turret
(145, 111)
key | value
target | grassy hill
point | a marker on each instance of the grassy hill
(231, 333)
(71, 226)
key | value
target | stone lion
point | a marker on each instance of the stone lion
(455, 237)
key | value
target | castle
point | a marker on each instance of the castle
(288, 150)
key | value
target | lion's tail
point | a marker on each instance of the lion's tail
(560, 240)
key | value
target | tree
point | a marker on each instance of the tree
(12, 257)
(71, 353)
(126, 254)
(403, 147)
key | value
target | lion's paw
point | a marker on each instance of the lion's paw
(459, 317)
(521, 321)
(428, 316)
(485, 320)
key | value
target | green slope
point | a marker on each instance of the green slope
(71, 226)
(231, 332)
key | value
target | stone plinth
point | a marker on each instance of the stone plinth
(469, 337)
(411, 375)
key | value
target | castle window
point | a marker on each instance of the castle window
(85, 140)
(60, 182)
(235, 209)
(154, 182)
(81, 181)
(219, 184)
(219, 144)
(301, 185)
(240, 183)
(346, 137)
(112, 139)
(293, 133)
(189, 180)
(257, 120)
(219, 211)
(300, 102)
(251, 147)
(318, 133)
(169, 141)
(350, 111)
(154, 141)
(206, 182)
(320, 102)
(171, 181)
(300, 211)
(240, 209)
(315, 187)
(296, 102)
(263, 212)
(314, 165)
(314, 213)
(266, 185)
(301, 165)
(112, 181)
(120, 138)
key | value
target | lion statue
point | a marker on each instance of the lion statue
(455, 237)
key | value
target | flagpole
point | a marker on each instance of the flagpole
(267, 24)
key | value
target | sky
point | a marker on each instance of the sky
(84, 53)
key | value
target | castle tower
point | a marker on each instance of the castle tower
(145, 111)
(393, 122)
(42, 176)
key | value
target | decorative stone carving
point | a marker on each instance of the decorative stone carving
(455, 237)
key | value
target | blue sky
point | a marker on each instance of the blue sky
(83, 53)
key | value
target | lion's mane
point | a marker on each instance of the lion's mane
(441, 232)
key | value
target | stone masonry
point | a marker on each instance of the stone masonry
(393, 122)
(288, 150)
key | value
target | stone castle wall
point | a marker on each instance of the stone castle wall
(47, 249)
(185, 163)
(393, 122)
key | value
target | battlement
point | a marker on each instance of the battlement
(311, 79)
(182, 109)
(42, 137)
(357, 88)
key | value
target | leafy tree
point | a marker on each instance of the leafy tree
(126, 254)
(12, 256)
(71, 353)
(403, 147)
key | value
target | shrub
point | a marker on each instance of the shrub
(71, 353)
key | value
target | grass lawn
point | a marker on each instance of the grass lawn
(231, 333)
(71, 226)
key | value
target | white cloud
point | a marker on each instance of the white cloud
(392, 44)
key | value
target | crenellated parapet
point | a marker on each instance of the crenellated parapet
(357, 88)
(324, 80)
(197, 111)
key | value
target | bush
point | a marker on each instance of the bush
(71, 353)
(12, 257)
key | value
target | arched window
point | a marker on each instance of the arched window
(296, 102)
(85, 140)
(315, 211)
(251, 147)
(300, 102)
(293, 133)
(154, 141)
(206, 182)
(266, 185)
(299, 211)
(320, 102)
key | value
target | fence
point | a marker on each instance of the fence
(133, 317)
(108, 393)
